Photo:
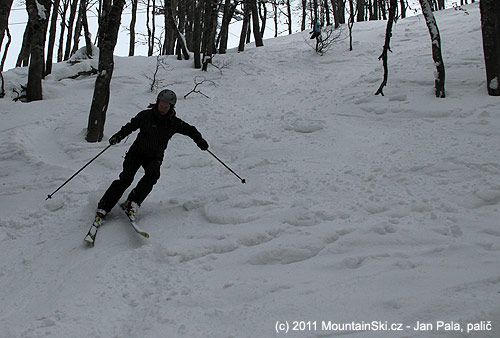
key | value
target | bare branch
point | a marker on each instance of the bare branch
(200, 80)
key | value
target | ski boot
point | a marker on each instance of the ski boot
(130, 209)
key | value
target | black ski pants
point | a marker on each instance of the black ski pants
(131, 164)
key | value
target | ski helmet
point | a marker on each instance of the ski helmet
(167, 95)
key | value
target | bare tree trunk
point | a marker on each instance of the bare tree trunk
(38, 13)
(338, 12)
(181, 49)
(172, 26)
(71, 21)
(78, 28)
(490, 22)
(326, 7)
(63, 29)
(229, 9)
(304, 16)
(276, 17)
(169, 41)
(197, 32)
(150, 32)
(263, 17)
(289, 16)
(249, 30)
(388, 34)
(131, 50)
(153, 29)
(361, 10)
(244, 27)
(382, 9)
(9, 40)
(5, 7)
(209, 31)
(375, 10)
(403, 8)
(111, 18)
(350, 21)
(315, 10)
(86, 32)
(6, 49)
(255, 21)
(52, 38)
(436, 46)
(24, 54)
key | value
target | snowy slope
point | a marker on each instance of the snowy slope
(357, 208)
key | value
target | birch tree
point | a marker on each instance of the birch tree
(436, 46)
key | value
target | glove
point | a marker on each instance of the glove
(115, 139)
(202, 144)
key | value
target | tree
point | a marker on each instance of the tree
(38, 18)
(24, 54)
(64, 10)
(72, 15)
(229, 9)
(209, 31)
(52, 38)
(388, 34)
(304, 16)
(338, 12)
(255, 21)
(132, 29)
(289, 16)
(5, 6)
(197, 31)
(173, 27)
(110, 24)
(361, 10)
(404, 5)
(490, 22)
(263, 16)
(436, 46)
(350, 22)
(151, 30)
(169, 39)
(244, 27)
(86, 31)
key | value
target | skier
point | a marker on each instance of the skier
(156, 126)
(316, 34)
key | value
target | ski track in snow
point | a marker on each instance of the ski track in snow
(356, 207)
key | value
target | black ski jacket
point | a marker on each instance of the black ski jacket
(155, 131)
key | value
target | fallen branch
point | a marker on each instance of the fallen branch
(92, 71)
(198, 83)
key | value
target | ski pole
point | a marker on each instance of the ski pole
(85, 166)
(235, 174)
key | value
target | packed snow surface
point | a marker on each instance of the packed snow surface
(357, 208)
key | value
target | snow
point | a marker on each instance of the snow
(357, 208)
(494, 83)
(42, 13)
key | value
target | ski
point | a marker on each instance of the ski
(137, 229)
(134, 224)
(90, 238)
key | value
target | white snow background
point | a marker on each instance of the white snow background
(357, 207)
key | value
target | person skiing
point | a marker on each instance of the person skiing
(316, 34)
(156, 125)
